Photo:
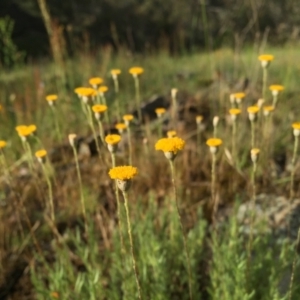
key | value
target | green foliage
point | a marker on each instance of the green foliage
(9, 54)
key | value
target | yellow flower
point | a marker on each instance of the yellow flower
(41, 153)
(214, 142)
(254, 154)
(234, 111)
(32, 128)
(128, 117)
(115, 72)
(25, 131)
(276, 87)
(171, 133)
(94, 81)
(99, 108)
(239, 95)
(113, 139)
(135, 71)
(296, 125)
(123, 173)
(160, 111)
(199, 119)
(51, 98)
(103, 89)
(121, 127)
(268, 108)
(2, 144)
(265, 59)
(253, 109)
(85, 92)
(173, 144)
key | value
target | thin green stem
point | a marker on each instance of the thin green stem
(55, 117)
(275, 99)
(213, 187)
(82, 200)
(106, 112)
(182, 229)
(198, 138)
(233, 140)
(101, 130)
(296, 144)
(137, 97)
(52, 213)
(131, 245)
(129, 145)
(116, 86)
(265, 78)
(252, 134)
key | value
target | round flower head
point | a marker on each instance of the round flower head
(199, 119)
(127, 119)
(114, 73)
(95, 81)
(254, 154)
(121, 127)
(51, 99)
(214, 144)
(296, 129)
(234, 112)
(112, 141)
(2, 144)
(238, 97)
(123, 175)
(252, 112)
(32, 128)
(136, 71)
(103, 89)
(25, 131)
(268, 109)
(72, 137)
(170, 146)
(265, 59)
(160, 111)
(99, 110)
(275, 89)
(171, 133)
(41, 155)
(84, 93)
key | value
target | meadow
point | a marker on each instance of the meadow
(207, 205)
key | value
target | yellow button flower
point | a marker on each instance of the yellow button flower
(135, 71)
(99, 108)
(234, 111)
(265, 59)
(2, 144)
(94, 81)
(170, 146)
(115, 72)
(41, 155)
(160, 111)
(128, 117)
(214, 142)
(103, 89)
(113, 139)
(51, 98)
(123, 172)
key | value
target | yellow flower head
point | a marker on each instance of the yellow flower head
(253, 109)
(51, 98)
(115, 72)
(265, 59)
(41, 153)
(199, 119)
(239, 95)
(121, 126)
(171, 133)
(214, 142)
(85, 92)
(255, 151)
(2, 144)
(173, 144)
(123, 173)
(276, 87)
(25, 131)
(99, 108)
(94, 81)
(160, 111)
(254, 154)
(103, 89)
(234, 111)
(135, 71)
(113, 139)
(296, 125)
(128, 118)
(268, 108)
